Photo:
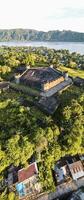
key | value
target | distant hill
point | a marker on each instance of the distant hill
(34, 35)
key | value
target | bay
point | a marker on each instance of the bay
(71, 46)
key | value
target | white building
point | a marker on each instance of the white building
(76, 169)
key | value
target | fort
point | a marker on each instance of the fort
(42, 78)
(45, 83)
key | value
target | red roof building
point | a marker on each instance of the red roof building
(28, 172)
(28, 183)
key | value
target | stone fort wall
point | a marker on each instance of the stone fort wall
(51, 84)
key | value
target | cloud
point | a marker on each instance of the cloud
(66, 13)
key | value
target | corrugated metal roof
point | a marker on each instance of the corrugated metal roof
(76, 166)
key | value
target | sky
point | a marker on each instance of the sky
(42, 14)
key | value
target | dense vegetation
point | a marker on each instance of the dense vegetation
(33, 35)
(11, 58)
(25, 131)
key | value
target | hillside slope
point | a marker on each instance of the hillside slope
(34, 35)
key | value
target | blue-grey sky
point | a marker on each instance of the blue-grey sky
(42, 14)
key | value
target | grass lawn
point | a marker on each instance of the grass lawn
(41, 64)
(72, 72)
(25, 89)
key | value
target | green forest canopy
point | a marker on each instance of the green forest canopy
(27, 132)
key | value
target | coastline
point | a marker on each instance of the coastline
(71, 46)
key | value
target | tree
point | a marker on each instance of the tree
(26, 150)
(29, 59)
(40, 141)
(19, 150)
(3, 161)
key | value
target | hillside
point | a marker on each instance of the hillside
(34, 35)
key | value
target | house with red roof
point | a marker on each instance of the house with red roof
(28, 182)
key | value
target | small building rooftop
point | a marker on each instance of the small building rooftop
(4, 85)
(79, 81)
(28, 172)
(69, 166)
(28, 183)
(76, 169)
